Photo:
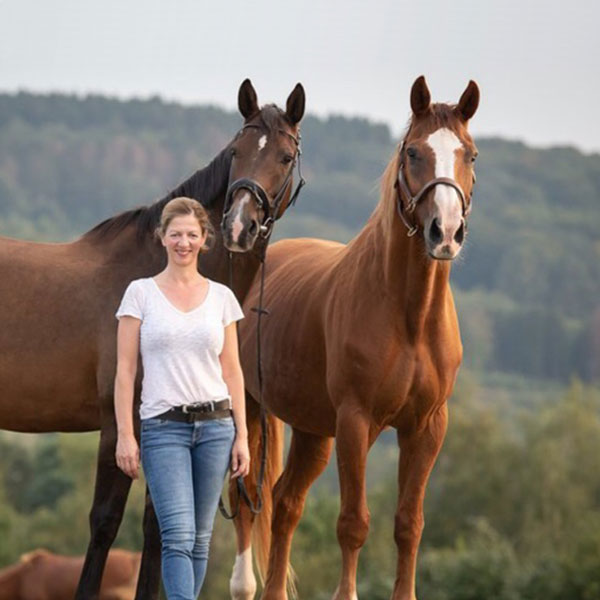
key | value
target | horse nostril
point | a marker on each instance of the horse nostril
(252, 230)
(435, 232)
(459, 236)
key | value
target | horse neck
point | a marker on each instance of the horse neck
(10, 581)
(207, 185)
(397, 266)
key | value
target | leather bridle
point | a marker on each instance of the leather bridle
(412, 201)
(270, 209)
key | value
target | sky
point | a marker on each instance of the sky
(537, 62)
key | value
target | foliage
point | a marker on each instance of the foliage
(67, 163)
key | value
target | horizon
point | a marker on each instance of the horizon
(394, 134)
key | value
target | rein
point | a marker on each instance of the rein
(412, 201)
(271, 210)
(255, 508)
(271, 214)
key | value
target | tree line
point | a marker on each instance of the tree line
(528, 283)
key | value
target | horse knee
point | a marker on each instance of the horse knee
(104, 527)
(353, 528)
(408, 526)
(242, 584)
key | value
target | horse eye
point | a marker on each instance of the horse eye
(233, 152)
(411, 152)
(287, 159)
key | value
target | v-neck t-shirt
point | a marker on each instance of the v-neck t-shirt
(180, 350)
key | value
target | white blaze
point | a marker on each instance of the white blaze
(243, 583)
(262, 142)
(444, 144)
(237, 226)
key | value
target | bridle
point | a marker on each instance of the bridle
(271, 210)
(413, 201)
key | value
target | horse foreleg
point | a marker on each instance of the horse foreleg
(110, 496)
(353, 439)
(418, 452)
(149, 577)
(307, 459)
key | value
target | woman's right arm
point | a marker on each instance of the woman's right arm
(128, 343)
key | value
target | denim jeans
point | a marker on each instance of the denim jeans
(185, 465)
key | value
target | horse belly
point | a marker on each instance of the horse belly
(48, 391)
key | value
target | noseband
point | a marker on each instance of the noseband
(413, 201)
(269, 209)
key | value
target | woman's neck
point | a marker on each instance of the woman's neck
(181, 275)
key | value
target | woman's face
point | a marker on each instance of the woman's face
(183, 240)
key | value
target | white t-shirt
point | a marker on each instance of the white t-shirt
(180, 350)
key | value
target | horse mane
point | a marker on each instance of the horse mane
(205, 186)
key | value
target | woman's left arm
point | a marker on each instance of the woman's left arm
(234, 379)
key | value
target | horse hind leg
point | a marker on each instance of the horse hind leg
(253, 532)
(308, 456)
(110, 496)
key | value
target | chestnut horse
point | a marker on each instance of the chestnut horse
(42, 575)
(365, 336)
(57, 326)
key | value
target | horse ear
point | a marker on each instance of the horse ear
(469, 101)
(247, 99)
(294, 107)
(420, 98)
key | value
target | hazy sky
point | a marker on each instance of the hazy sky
(537, 62)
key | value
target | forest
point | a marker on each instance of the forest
(513, 506)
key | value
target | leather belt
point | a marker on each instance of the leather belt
(207, 411)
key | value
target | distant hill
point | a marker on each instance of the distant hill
(528, 285)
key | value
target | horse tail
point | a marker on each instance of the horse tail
(261, 530)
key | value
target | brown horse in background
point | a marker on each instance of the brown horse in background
(57, 326)
(42, 575)
(365, 336)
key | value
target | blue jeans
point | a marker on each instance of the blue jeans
(184, 465)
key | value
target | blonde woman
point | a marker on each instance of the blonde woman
(193, 422)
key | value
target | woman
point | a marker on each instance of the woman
(184, 326)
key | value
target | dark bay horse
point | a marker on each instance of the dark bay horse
(57, 324)
(365, 336)
(43, 575)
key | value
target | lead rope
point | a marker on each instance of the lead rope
(255, 508)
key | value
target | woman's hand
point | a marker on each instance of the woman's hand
(240, 458)
(128, 455)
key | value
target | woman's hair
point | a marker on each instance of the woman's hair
(186, 206)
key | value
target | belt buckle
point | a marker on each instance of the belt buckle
(184, 409)
(209, 406)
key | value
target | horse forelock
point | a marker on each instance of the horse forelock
(273, 117)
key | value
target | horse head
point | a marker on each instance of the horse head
(264, 154)
(436, 170)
